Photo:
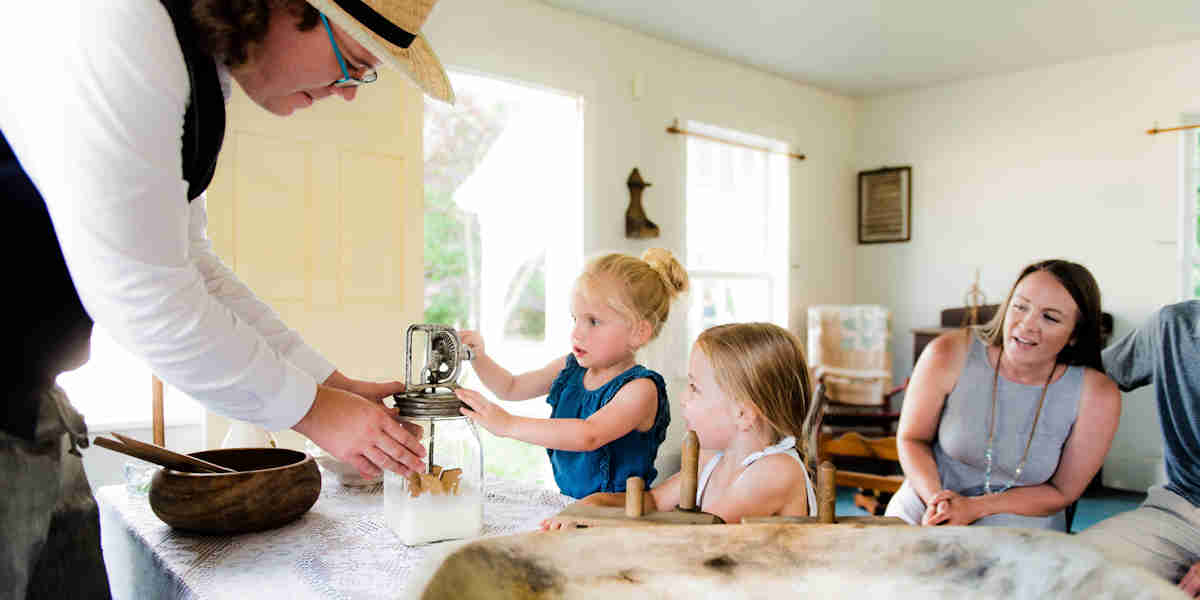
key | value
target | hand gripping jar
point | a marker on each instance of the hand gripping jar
(446, 501)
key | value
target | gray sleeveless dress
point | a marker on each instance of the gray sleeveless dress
(960, 446)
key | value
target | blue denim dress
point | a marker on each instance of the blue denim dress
(604, 469)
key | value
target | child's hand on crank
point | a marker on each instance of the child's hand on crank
(485, 413)
(472, 340)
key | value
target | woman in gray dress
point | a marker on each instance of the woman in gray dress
(1006, 426)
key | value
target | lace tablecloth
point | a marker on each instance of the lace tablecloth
(339, 549)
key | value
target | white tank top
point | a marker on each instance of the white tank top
(785, 446)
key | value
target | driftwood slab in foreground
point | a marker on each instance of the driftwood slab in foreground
(783, 561)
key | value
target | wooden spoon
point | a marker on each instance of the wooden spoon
(159, 455)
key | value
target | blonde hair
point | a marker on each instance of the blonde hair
(762, 364)
(644, 286)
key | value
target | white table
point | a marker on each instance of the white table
(341, 548)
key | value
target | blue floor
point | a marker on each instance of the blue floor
(1092, 508)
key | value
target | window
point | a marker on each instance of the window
(1189, 211)
(504, 234)
(737, 223)
(113, 390)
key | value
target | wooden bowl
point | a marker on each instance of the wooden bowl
(272, 486)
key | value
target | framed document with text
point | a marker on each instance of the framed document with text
(885, 205)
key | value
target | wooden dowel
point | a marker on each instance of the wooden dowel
(689, 471)
(676, 130)
(1156, 130)
(156, 409)
(633, 496)
(826, 493)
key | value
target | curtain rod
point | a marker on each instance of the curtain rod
(1156, 130)
(674, 128)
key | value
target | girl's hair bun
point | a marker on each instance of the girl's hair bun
(668, 268)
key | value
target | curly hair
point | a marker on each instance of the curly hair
(228, 28)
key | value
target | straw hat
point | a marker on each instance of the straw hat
(391, 30)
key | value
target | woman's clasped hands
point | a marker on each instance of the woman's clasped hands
(950, 508)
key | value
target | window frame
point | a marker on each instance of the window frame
(1189, 207)
(778, 205)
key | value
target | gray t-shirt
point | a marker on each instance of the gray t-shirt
(1166, 352)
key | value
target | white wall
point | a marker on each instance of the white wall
(537, 44)
(1051, 162)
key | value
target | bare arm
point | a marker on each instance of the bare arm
(933, 379)
(371, 390)
(635, 403)
(503, 383)
(1083, 453)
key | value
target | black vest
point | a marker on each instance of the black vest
(51, 327)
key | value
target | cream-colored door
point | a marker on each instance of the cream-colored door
(320, 213)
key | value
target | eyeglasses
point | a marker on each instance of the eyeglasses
(368, 75)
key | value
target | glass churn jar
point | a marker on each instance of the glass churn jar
(446, 501)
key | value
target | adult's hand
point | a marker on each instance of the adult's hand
(1190, 584)
(371, 390)
(949, 508)
(363, 433)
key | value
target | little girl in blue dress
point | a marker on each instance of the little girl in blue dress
(609, 414)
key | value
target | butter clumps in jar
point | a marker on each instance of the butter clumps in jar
(428, 507)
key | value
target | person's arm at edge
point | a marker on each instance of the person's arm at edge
(1130, 360)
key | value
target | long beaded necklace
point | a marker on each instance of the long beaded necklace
(987, 478)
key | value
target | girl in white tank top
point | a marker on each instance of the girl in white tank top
(748, 401)
(786, 446)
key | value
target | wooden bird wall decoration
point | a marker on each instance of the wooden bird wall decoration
(637, 225)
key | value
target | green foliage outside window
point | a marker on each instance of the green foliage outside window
(457, 139)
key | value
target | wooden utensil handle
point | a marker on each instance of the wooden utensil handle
(202, 466)
(116, 446)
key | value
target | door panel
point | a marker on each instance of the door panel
(320, 213)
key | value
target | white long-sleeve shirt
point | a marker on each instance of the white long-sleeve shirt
(101, 139)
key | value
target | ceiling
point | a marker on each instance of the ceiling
(865, 48)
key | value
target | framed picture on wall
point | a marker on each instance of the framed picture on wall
(885, 205)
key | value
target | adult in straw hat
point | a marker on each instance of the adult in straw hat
(109, 136)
